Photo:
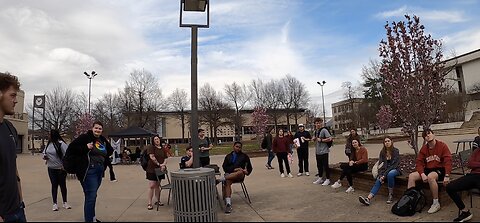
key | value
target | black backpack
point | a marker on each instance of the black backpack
(412, 201)
(144, 157)
(329, 144)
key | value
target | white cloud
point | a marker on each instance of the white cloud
(462, 42)
(448, 16)
(71, 56)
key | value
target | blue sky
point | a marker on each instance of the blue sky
(50, 43)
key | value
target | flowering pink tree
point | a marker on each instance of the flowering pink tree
(384, 117)
(414, 75)
(83, 124)
(260, 120)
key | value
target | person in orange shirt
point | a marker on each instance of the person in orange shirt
(434, 162)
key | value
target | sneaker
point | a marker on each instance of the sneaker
(55, 207)
(390, 199)
(364, 200)
(299, 174)
(336, 185)
(326, 182)
(66, 205)
(228, 209)
(268, 167)
(290, 175)
(113, 181)
(349, 190)
(434, 208)
(282, 175)
(307, 174)
(464, 216)
(318, 181)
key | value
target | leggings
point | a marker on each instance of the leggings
(283, 157)
(467, 182)
(348, 170)
(58, 177)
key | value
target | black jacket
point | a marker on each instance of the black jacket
(243, 161)
(77, 156)
(476, 143)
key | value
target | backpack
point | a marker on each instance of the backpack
(144, 157)
(329, 144)
(412, 201)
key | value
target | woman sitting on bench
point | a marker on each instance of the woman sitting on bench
(358, 162)
(390, 157)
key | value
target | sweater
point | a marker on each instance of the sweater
(437, 157)
(361, 156)
(281, 145)
(474, 162)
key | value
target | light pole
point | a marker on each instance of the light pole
(323, 100)
(90, 77)
(194, 6)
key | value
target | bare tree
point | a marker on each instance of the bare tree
(296, 97)
(238, 96)
(179, 103)
(107, 111)
(270, 96)
(214, 110)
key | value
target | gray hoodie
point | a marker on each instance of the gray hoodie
(322, 147)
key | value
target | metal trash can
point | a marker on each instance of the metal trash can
(194, 195)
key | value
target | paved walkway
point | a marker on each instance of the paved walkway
(273, 198)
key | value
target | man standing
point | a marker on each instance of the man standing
(322, 136)
(11, 200)
(236, 166)
(434, 162)
(303, 138)
(204, 146)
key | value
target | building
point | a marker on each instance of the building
(464, 77)
(346, 114)
(171, 130)
(20, 121)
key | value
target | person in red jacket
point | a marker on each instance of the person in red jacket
(281, 148)
(434, 162)
(467, 182)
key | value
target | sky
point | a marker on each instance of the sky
(51, 43)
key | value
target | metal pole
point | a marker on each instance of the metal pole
(33, 128)
(89, 92)
(43, 128)
(194, 92)
(323, 102)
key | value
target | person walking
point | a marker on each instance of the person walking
(12, 207)
(53, 155)
(281, 149)
(322, 150)
(87, 157)
(389, 158)
(267, 145)
(157, 159)
(303, 137)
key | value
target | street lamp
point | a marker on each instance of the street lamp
(323, 100)
(194, 6)
(90, 77)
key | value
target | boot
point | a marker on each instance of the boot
(390, 196)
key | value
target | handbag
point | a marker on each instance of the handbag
(375, 169)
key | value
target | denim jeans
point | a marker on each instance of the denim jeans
(90, 187)
(271, 155)
(17, 216)
(391, 182)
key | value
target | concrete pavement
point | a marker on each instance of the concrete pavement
(273, 198)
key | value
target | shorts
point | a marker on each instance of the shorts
(439, 171)
(153, 177)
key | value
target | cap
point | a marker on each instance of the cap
(301, 125)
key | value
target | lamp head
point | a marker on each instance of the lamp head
(195, 5)
(86, 74)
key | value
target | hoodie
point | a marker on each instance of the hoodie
(437, 157)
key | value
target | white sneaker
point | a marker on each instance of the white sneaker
(290, 175)
(318, 181)
(55, 207)
(113, 181)
(336, 185)
(282, 175)
(299, 174)
(307, 174)
(66, 205)
(326, 182)
(349, 190)
(434, 208)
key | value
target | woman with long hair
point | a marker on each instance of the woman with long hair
(157, 159)
(358, 162)
(281, 148)
(389, 158)
(53, 155)
(348, 146)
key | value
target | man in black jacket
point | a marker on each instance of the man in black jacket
(236, 166)
(87, 157)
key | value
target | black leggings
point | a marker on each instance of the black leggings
(322, 164)
(58, 177)
(302, 159)
(348, 170)
(283, 157)
(467, 182)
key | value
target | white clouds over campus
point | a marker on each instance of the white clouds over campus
(50, 43)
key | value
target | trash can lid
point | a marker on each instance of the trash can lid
(192, 172)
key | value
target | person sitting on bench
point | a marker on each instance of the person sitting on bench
(236, 166)
(434, 162)
(358, 162)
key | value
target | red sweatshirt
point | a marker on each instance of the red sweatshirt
(437, 157)
(281, 144)
(474, 161)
